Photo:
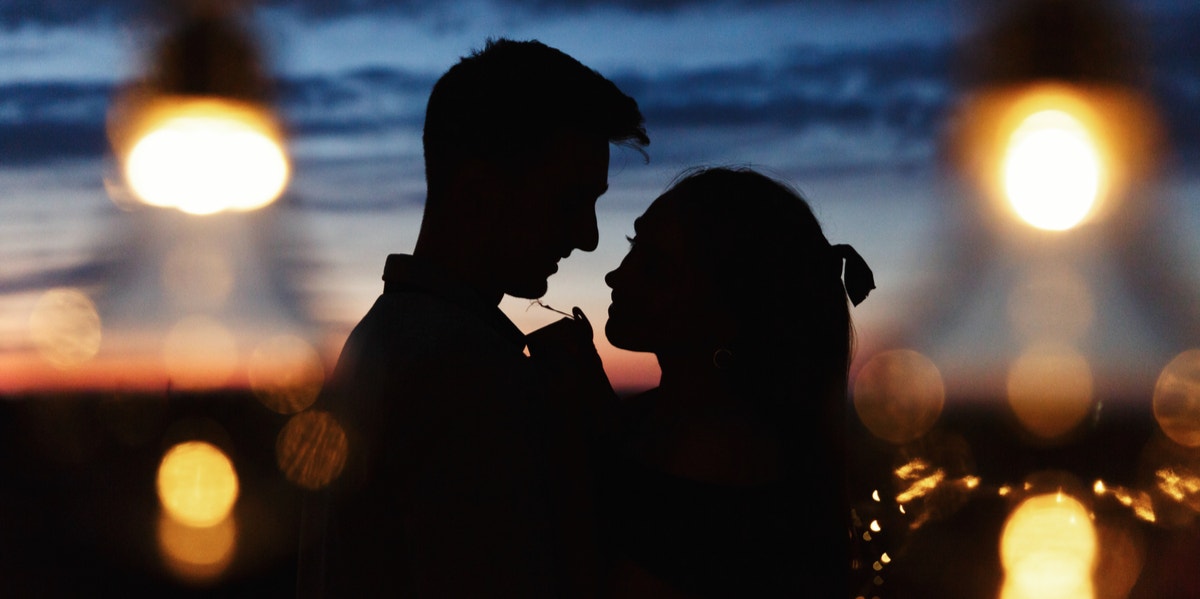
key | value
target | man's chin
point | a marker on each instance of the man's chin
(531, 290)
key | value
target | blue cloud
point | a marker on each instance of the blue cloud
(904, 90)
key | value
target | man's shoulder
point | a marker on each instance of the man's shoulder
(418, 321)
(409, 337)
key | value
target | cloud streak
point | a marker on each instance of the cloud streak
(15, 13)
(896, 94)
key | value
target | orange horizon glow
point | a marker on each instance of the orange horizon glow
(27, 372)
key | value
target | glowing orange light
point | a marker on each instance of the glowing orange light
(921, 486)
(65, 328)
(1181, 484)
(1177, 399)
(1048, 550)
(197, 484)
(286, 374)
(1052, 170)
(197, 554)
(200, 352)
(899, 395)
(1050, 390)
(1055, 155)
(311, 449)
(206, 155)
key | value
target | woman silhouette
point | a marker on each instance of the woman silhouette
(729, 478)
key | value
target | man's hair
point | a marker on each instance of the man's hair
(504, 103)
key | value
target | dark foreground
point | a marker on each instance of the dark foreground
(80, 516)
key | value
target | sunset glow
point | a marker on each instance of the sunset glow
(286, 373)
(200, 353)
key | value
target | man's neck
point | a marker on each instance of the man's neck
(451, 258)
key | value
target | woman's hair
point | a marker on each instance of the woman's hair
(772, 268)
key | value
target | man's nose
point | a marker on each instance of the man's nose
(587, 233)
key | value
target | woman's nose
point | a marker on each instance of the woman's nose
(611, 277)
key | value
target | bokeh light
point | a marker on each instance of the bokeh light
(1177, 399)
(1050, 390)
(286, 374)
(194, 554)
(206, 155)
(1169, 484)
(1181, 484)
(1048, 550)
(200, 352)
(65, 328)
(922, 478)
(311, 449)
(197, 484)
(899, 395)
(1052, 170)
(1122, 554)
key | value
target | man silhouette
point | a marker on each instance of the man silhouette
(454, 485)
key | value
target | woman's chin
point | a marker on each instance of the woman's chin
(620, 336)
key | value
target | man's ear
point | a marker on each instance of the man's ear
(480, 186)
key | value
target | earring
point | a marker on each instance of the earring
(722, 359)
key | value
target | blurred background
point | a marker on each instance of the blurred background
(196, 200)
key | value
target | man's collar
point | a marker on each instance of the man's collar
(404, 272)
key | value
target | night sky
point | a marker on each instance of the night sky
(849, 100)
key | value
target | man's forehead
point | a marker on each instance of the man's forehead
(582, 158)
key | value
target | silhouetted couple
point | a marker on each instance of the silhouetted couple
(478, 470)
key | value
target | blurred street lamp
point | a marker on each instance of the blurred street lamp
(1055, 129)
(1054, 249)
(197, 133)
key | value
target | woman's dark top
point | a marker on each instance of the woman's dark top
(722, 540)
